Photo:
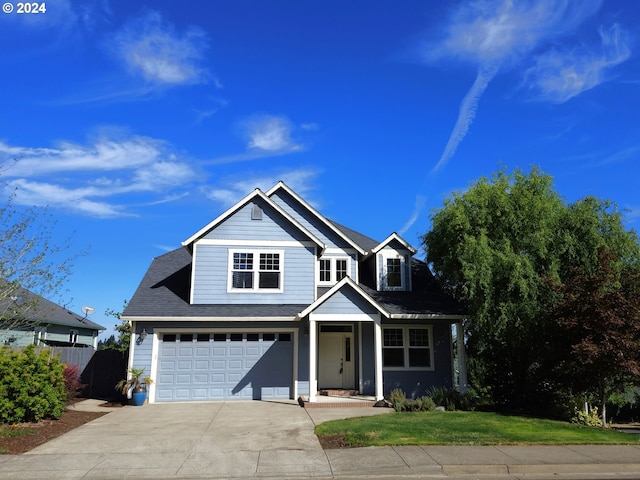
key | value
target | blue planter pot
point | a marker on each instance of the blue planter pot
(138, 398)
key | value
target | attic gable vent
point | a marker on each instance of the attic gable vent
(256, 213)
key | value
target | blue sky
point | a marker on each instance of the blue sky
(138, 123)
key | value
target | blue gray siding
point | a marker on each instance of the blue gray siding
(345, 301)
(211, 264)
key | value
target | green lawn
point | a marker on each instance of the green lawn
(466, 428)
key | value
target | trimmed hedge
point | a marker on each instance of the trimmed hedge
(32, 386)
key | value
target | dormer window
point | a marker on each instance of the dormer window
(393, 274)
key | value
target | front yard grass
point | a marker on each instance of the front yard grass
(465, 428)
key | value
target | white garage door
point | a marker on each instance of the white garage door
(224, 366)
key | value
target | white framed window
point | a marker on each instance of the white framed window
(393, 271)
(407, 348)
(255, 271)
(332, 269)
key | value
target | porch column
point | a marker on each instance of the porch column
(377, 331)
(313, 381)
(462, 359)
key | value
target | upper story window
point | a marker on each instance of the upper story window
(332, 270)
(393, 274)
(252, 271)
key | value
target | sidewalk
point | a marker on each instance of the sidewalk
(276, 440)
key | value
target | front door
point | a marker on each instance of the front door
(335, 357)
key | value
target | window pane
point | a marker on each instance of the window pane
(393, 272)
(242, 280)
(325, 270)
(253, 337)
(392, 337)
(269, 280)
(203, 337)
(186, 337)
(219, 337)
(418, 337)
(393, 357)
(169, 337)
(269, 261)
(243, 261)
(341, 269)
(236, 337)
(419, 357)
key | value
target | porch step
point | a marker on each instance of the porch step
(335, 392)
(325, 401)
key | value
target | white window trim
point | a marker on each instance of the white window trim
(256, 270)
(334, 271)
(406, 346)
(382, 278)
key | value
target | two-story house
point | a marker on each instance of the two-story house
(273, 300)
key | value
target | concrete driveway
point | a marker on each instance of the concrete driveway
(276, 439)
(217, 439)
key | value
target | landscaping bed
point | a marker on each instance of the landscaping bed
(22, 437)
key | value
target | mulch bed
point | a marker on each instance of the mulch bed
(329, 442)
(43, 431)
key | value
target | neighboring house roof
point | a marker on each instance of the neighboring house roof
(42, 311)
(164, 293)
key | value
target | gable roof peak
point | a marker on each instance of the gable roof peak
(391, 238)
(257, 193)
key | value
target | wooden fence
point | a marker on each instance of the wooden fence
(101, 369)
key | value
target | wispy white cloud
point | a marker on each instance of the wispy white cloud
(264, 136)
(494, 35)
(270, 134)
(558, 76)
(421, 202)
(152, 48)
(301, 180)
(86, 175)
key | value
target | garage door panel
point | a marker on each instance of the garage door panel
(224, 366)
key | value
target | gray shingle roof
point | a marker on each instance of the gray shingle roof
(42, 311)
(164, 292)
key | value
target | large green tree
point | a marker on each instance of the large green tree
(494, 247)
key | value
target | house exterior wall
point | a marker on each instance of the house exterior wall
(61, 333)
(211, 276)
(414, 383)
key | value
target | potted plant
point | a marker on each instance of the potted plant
(135, 386)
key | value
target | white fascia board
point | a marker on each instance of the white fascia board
(389, 239)
(256, 193)
(314, 212)
(343, 317)
(211, 319)
(334, 289)
(425, 316)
